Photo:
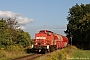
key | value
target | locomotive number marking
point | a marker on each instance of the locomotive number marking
(40, 37)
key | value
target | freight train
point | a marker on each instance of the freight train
(48, 41)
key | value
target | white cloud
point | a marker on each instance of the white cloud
(24, 20)
(7, 14)
(22, 27)
(19, 17)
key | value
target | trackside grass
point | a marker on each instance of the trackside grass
(12, 52)
(80, 55)
(69, 53)
(5, 55)
(61, 54)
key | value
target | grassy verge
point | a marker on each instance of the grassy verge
(11, 52)
(80, 55)
(62, 54)
(6, 55)
(69, 53)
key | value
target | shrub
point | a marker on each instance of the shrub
(2, 53)
(14, 48)
(12, 51)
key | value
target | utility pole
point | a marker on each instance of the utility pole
(71, 40)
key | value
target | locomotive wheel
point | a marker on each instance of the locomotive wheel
(44, 51)
(51, 49)
(33, 51)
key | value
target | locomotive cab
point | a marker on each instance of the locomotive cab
(42, 41)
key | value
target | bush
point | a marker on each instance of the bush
(12, 51)
(14, 48)
(2, 53)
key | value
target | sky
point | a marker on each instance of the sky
(36, 15)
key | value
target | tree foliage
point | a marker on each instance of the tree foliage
(10, 35)
(79, 24)
(12, 23)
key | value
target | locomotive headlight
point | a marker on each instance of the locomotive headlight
(35, 43)
(44, 43)
(47, 46)
(32, 46)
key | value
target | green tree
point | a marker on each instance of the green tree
(79, 24)
(24, 39)
(4, 37)
(12, 23)
(10, 35)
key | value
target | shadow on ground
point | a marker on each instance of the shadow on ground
(28, 50)
(83, 47)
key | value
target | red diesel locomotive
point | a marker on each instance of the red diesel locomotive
(47, 41)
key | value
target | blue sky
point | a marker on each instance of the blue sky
(35, 15)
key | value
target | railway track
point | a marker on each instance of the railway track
(28, 57)
(33, 56)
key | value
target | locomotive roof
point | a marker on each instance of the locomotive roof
(49, 31)
(46, 31)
